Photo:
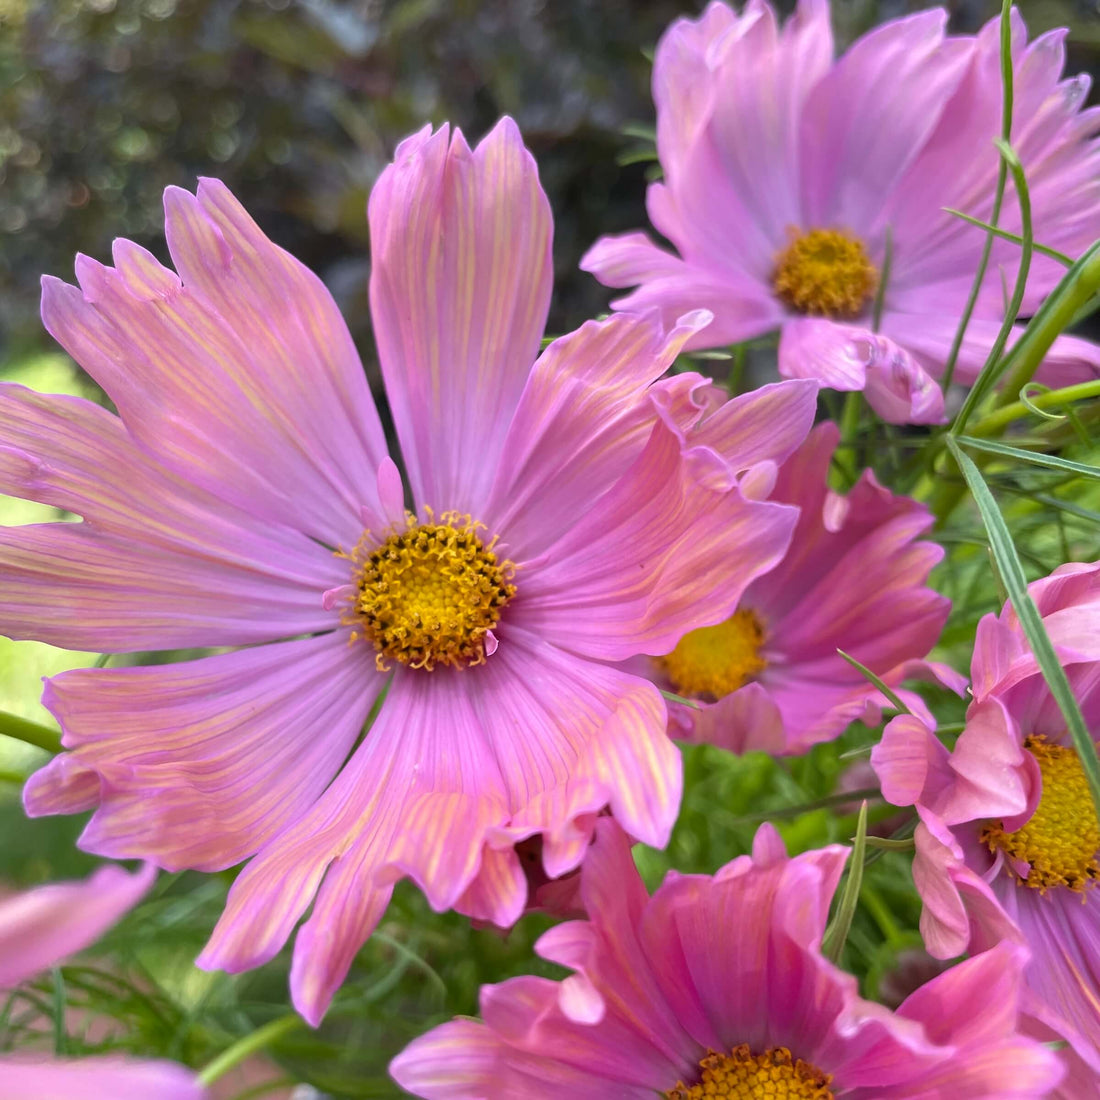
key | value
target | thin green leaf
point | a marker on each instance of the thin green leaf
(672, 697)
(59, 1036)
(838, 799)
(837, 933)
(1034, 458)
(1053, 253)
(1012, 572)
(888, 844)
(884, 278)
(868, 675)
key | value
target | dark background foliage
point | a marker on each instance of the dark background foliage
(297, 105)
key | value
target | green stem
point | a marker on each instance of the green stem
(30, 733)
(251, 1044)
(849, 417)
(1017, 410)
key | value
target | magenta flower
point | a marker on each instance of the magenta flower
(786, 173)
(770, 677)
(563, 520)
(42, 927)
(716, 986)
(1008, 833)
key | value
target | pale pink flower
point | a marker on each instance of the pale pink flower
(786, 171)
(563, 521)
(1008, 835)
(42, 927)
(853, 579)
(724, 974)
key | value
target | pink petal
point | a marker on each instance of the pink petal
(869, 116)
(460, 289)
(74, 586)
(911, 762)
(202, 763)
(741, 307)
(454, 1061)
(848, 357)
(43, 926)
(582, 420)
(663, 555)
(201, 383)
(110, 1078)
(455, 761)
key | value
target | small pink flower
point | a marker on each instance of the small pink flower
(1008, 836)
(723, 975)
(42, 927)
(770, 677)
(561, 523)
(789, 173)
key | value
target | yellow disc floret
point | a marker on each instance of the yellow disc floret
(715, 660)
(429, 595)
(741, 1075)
(825, 272)
(1061, 838)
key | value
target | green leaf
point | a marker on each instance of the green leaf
(1053, 253)
(837, 932)
(1035, 458)
(1012, 572)
(868, 675)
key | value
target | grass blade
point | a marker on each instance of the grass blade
(1012, 572)
(837, 933)
(1035, 458)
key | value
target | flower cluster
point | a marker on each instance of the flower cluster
(463, 652)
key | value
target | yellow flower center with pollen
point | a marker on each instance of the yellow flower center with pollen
(742, 1075)
(1061, 838)
(716, 660)
(825, 272)
(429, 595)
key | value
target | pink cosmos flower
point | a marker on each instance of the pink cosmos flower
(716, 986)
(770, 677)
(786, 173)
(563, 520)
(1008, 834)
(42, 927)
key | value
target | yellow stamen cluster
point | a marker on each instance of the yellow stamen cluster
(1061, 838)
(742, 1075)
(825, 272)
(429, 595)
(715, 660)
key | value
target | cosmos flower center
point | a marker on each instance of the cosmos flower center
(741, 1075)
(1061, 838)
(825, 272)
(716, 660)
(430, 594)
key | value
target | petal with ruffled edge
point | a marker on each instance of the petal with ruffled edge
(534, 741)
(199, 764)
(741, 307)
(975, 1007)
(40, 927)
(929, 337)
(849, 357)
(582, 420)
(663, 554)
(97, 1079)
(243, 364)
(460, 289)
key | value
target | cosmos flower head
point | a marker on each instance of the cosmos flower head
(769, 677)
(716, 986)
(1008, 843)
(806, 193)
(41, 928)
(554, 517)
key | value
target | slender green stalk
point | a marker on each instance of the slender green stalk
(1053, 253)
(998, 195)
(838, 799)
(876, 681)
(245, 1047)
(30, 733)
(836, 934)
